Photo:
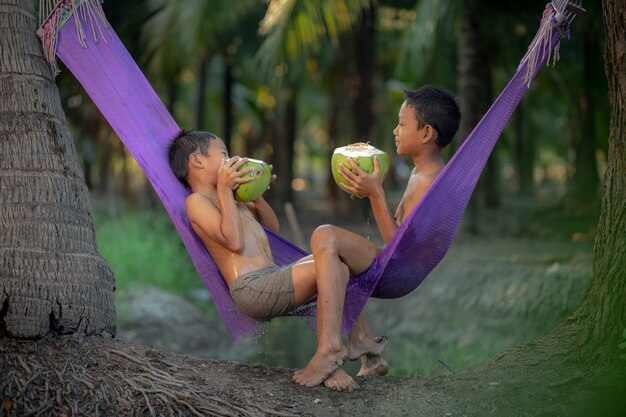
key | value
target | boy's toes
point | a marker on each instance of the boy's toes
(340, 381)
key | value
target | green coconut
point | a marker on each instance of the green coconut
(252, 190)
(363, 154)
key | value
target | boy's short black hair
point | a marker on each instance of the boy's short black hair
(182, 146)
(437, 107)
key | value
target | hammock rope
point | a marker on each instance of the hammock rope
(112, 79)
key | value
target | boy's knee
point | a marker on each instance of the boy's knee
(323, 238)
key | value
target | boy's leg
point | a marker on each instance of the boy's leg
(358, 254)
(331, 291)
(362, 342)
(333, 248)
(354, 250)
(304, 275)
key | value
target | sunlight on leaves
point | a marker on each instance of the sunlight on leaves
(295, 31)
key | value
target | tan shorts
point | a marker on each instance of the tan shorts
(264, 293)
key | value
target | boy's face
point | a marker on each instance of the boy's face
(408, 134)
(216, 153)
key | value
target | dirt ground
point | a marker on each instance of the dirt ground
(96, 377)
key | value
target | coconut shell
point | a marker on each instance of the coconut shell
(363, 155)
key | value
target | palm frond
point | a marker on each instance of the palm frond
(297, 30)
(162, 39)
(194, 26)
(418, 43)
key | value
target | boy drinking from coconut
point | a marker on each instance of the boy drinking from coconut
(233, 234)
(427, 122)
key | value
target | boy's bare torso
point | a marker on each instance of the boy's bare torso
(418, 184)
(255, 254)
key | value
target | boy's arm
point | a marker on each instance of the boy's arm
(384, 219)
(370, 185)
(222, 223)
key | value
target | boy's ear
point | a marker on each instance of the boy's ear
(195, 161)
(430, 134)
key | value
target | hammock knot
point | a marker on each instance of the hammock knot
(53, 15)
(552, 21)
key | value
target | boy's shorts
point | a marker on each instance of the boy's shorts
(264, 293)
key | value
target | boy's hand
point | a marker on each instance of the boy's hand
(272, 178)
(260, 198)
(229, 177)
(358, 181)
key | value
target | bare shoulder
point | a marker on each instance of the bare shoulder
(197, 202)
(195, 199)
(416, 189)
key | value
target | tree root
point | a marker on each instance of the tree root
(110, 382)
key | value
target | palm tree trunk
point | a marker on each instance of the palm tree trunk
(201, 94)
(227, 100)
(593, 332)
(363, 91)
(171, 88)
(332, 129)
(474, 94)
(604, 300)
(524, 153)
(52, 278)
(584, 184)
(284, 147)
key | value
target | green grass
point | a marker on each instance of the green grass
(417, 359)
(144, 249)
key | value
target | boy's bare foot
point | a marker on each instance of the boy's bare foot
(373, 365)
(320, 367)
(340, 381)
(366, 346)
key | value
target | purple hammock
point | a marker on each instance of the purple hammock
(78, 33)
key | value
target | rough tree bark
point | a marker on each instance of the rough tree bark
(604, 306)
(52, 278)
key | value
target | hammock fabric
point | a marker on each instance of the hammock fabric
(108, 73)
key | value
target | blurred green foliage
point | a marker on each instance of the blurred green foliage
(144, 249)
(232, 69)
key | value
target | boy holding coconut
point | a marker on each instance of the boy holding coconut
(232, 231)
(427, 121)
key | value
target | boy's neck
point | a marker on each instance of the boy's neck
(427, 161)
(203, 187)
